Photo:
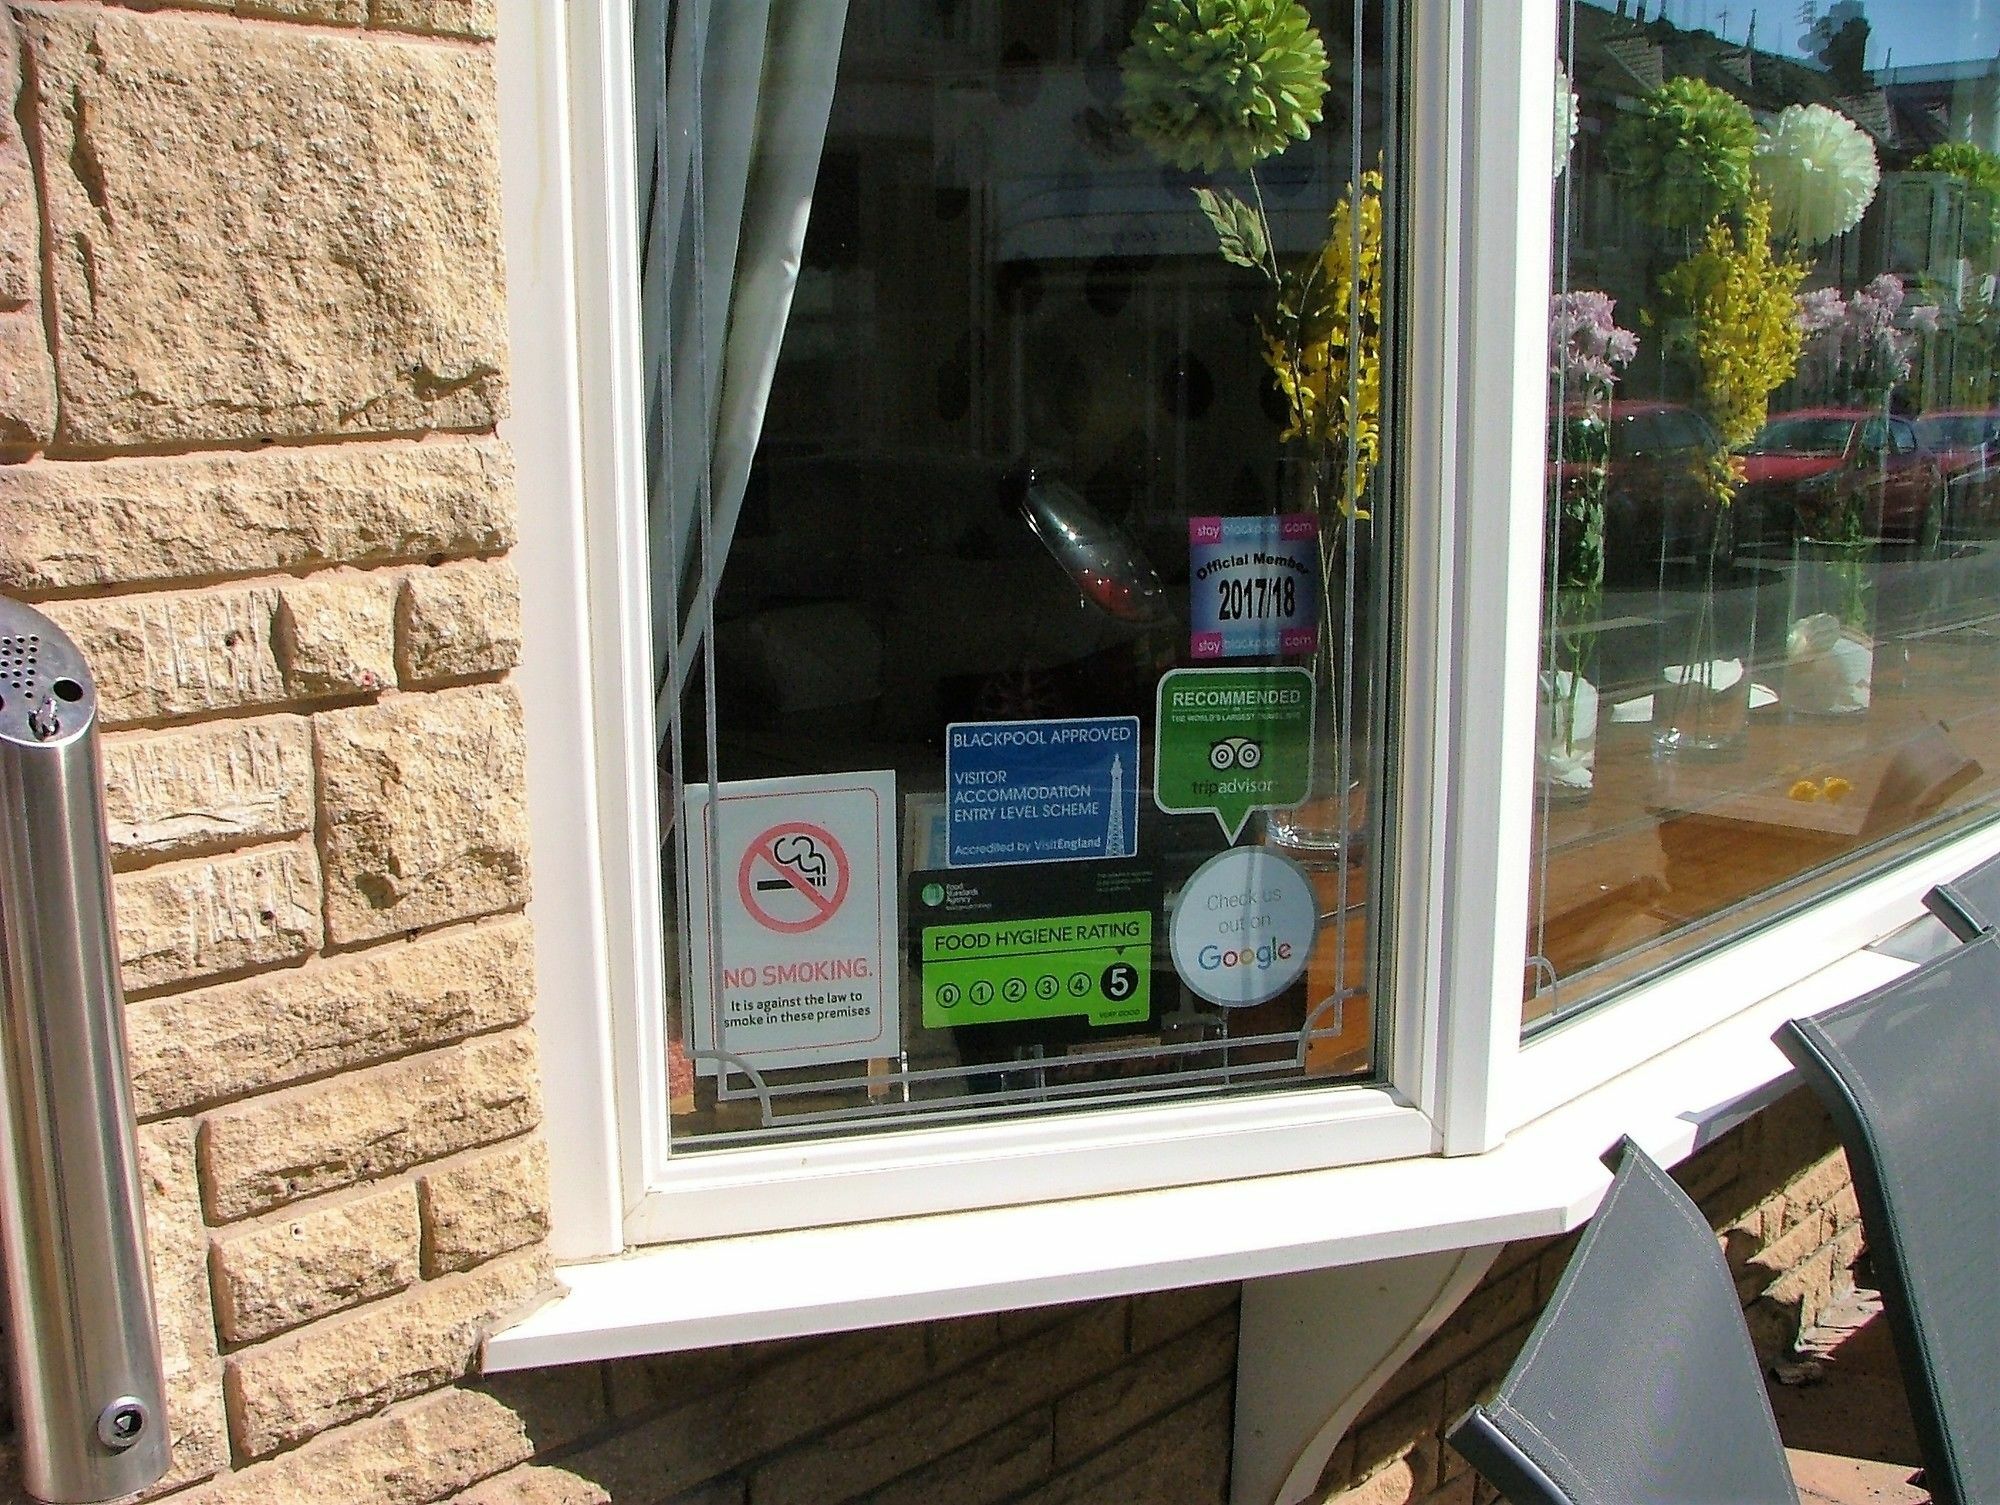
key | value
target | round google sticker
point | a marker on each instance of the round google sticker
(1244, 926)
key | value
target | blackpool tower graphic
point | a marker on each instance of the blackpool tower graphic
(1114, 829)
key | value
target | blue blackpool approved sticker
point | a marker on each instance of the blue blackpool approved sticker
(1041, 791)
(1253, 586)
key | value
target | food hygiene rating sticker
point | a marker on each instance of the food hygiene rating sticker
(991, 951)
(1232, 741)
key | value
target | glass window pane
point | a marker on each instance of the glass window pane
(1018, 380)
(1771, 656)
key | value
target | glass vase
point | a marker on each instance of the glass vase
(1566, 736)
(1829, 638)
(1702, 707)
(1333, 818)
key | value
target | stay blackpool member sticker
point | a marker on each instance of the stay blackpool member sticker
(799, 924)
(1244, 927)
(1253, 585)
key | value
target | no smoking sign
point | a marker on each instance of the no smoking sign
(792, 914)
(793, 877)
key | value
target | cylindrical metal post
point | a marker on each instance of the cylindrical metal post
(72, 1223)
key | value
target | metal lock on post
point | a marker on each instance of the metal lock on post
(92, 1407)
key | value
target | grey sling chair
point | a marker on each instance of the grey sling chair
(1969, 904)
(1909, 1074)
(1639, 1385)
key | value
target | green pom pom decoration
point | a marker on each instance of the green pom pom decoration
(1979, 170)
(1215, 83)
(1688, 150)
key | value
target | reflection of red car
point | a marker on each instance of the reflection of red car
(1656, 507)
(1967, 445)
(1822, 472)
(1960, 439)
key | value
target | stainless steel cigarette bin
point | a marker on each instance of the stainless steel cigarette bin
(92, 1411)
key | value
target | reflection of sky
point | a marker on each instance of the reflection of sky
(1905, 33)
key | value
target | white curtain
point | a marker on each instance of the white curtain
(733, 100)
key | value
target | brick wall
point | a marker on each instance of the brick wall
(1125, 1402)
(251, 343)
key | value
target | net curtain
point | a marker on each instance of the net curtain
(732, 103)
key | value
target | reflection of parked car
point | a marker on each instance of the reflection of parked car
(1972, 503)
(1967, 445)
(1656, 507)
(1821, 472)
(1960, 439)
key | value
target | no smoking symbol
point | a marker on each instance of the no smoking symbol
(793, 877)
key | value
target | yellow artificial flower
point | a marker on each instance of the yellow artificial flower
(1739, 299)
(1325, 345)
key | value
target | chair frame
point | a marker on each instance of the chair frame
(1853, 1102)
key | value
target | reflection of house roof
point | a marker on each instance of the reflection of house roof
(1870, 111)
(1644, 61)
(1617, 57)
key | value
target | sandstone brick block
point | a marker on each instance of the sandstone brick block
(558, 1406)
(265, 232)
(1460, 1489)
(276, 1275)
(215, 915)
(865, 1453)
(535, 1485)
(458, 18)
(196, 788)
(423, 811)
(178, 1247)
(995, 1467)
(333, 1371)
(331, 12)
(959, 1340)
(1848, 1245)
(180, 517)
(1129, 1396)
(1408, 1428)
(1180, 1459)
(457, 621)
(1818, 1184)
(1799, 1241)
(1160, 1315)
(27, 374)
(336, 633)
(1404, 1479)
(723, 1424)
(242, 1037)
(299, 1143)
(1495, 1306)
(185, 653)
(417, 1452)
(483, 1207)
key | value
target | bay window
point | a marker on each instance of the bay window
(1143, 594)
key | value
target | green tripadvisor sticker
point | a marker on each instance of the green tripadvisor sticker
(1233, 740)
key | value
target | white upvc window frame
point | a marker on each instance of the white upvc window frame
(1459, 1080)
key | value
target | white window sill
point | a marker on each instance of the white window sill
(1545, 1179)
